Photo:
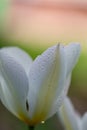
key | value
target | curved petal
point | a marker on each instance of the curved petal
(13, 80)
(69, 116)
(84, 122)
(20, 56)
(46, 79)
(6, 97)
(59, 101)
(72, 53)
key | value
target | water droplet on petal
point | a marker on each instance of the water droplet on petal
(42, 122)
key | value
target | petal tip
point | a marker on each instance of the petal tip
(76, 44)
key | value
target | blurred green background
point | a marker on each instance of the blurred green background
(34, 26)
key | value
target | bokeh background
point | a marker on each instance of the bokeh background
(34, 25)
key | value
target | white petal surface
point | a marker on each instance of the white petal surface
(69, 116)
(84, 122)
(7, 98)
(20, 56)
(72, 53)
(46, 79)
(13, 80)
(59, 101)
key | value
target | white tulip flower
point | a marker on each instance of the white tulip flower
(70, 119)
(34, 90)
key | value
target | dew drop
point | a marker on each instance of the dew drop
(42, 122)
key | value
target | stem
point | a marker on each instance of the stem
(31, 127)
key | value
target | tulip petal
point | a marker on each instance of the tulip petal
(13, 80)
(84, 122)
(60, 99)
(46, 79)
(20, 56)
(6, 97)
(68, 116)
(72, 53)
